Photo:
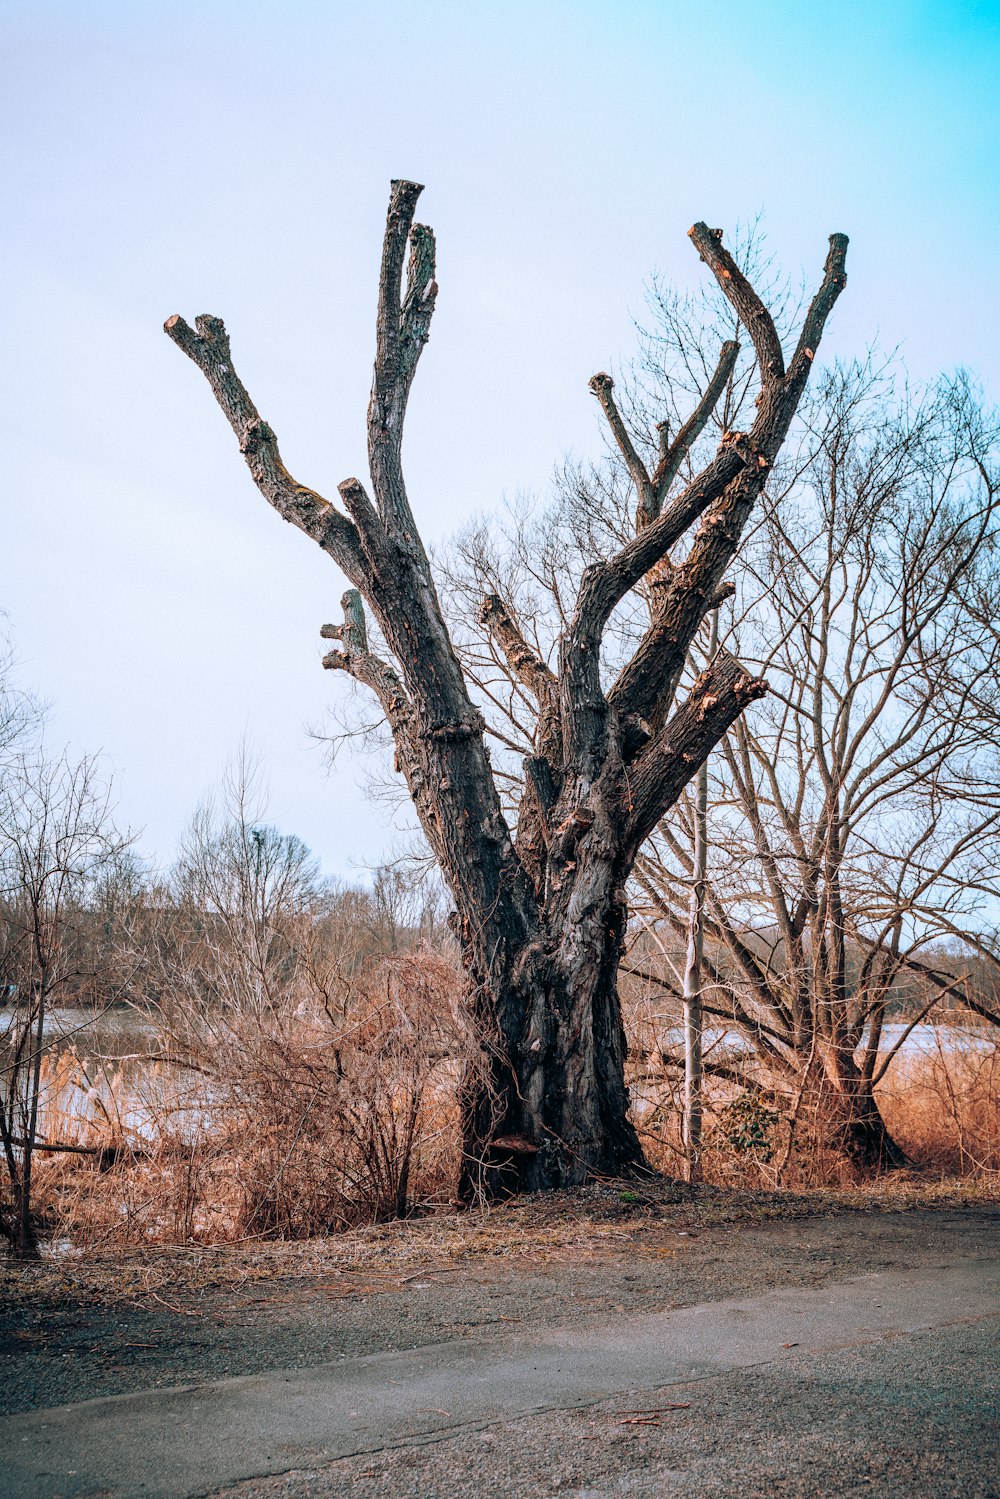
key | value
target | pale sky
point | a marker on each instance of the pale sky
(234, 158)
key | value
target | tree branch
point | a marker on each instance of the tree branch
(833, 283)
(744, 300)
(207, 345)
(402, 329)
(526, 666)
(603, 387)
(684, 598)
(365, 667)
(717, 698)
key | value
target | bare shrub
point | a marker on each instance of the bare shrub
(326, 1125)
(276, 1125)
(301, 1057)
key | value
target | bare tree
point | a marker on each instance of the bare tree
(57, 842)
(694, 1063)
(541, 919)
(854, 814)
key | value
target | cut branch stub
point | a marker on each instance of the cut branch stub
(365, 667)
(353, 632)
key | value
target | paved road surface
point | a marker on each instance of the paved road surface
(798, 1369)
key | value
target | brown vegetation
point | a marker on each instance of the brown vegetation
(320, 1129)
(274, 1130)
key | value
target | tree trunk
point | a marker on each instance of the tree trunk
(25, 1237)
(553, 1108)
(857, 1128)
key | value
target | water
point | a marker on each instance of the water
(102, 1077)
(925, 1039)
(100, 1074)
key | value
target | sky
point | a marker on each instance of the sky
(235, 158)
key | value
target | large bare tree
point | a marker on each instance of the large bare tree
(854, 814)
(540, 914)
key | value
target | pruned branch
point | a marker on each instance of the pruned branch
(652, 488)
(421, 294)
(833, 283)
(389, 325)
(744, 300)
(402, 329)
(365, 667)
(603, 388)
(525, 665)
(722, 496)
(207, 345)
(659, 775)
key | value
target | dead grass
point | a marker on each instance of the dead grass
(941, 1104)
(602, 1222)
(309, 1131)
(263, 1124)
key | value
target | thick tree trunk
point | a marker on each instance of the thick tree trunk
(553, 1108)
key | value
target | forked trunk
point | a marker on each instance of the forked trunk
(542, 924)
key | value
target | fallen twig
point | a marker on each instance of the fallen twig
(183, 1311)
(659, 1410)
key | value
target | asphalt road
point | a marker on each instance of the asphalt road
(881, 1383)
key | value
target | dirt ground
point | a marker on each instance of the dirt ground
(76, 1328)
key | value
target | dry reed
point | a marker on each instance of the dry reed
(311, 1127)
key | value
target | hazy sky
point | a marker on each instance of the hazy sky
(235, 159)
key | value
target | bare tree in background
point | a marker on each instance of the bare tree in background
(306, 1029)
(57, 843)
(541, 915)
(694, 962)
(855, 813)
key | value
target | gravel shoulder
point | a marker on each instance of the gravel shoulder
(914, 1418)
(73, 1330)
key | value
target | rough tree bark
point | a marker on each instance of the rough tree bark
(541, 916)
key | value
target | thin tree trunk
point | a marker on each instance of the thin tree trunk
(27, 1241)
(693, 1018)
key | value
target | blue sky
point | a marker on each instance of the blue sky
(235, 159)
